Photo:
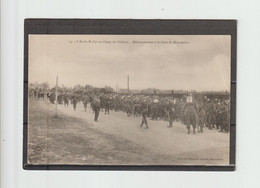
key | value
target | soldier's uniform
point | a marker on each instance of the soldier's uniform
(202, 119)
(96, 107)
(181, 110)
(52, 98)
(107, 106)
(74, 101)
(136, 109)
(66, 100)
(223, 118)
(190, 117)
(155, 111)
(102, 102)
(60, 99)
(144, 115)
(211, 115)
(85, 102)
(171, 112)
(129, 108)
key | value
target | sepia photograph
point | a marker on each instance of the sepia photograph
(129, 99)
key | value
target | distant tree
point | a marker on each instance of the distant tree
(109, 89)
(44, 86)
(77, 87)
(88, 89)
(39, 86)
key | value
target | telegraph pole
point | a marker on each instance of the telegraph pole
(56, 97)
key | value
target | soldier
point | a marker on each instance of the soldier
(107, 105)
(149, 107)
(144, 114)
(66, 100)
(136, 109)
(116, 103)
(190, 116)
(129, 108)
(52, 98)
(48, 95)
(175, 114)
(74, 102)
(102, 101)
(181, 110)
(95, 104)
(211, 116)
(217, 120)
(85, 102)
(40, 94)
(60, 99)
(202, 118)
(35, 93)
(171, 112)
(155, 111)
(223, 118)
(164, 112)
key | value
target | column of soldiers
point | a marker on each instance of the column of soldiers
(36, 93)
(193, 111)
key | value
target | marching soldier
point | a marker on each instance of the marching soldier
(202, 119)
(144, 115)
(190, 116)
(136, 109)
(66, 100)
(95, 104)
(223, 118)
(181, 110)
(171, 112)
(52, 98)
(107, 105)
(60, 99)
(85, 102)
(211, 110)
(74, 102)
(155, 111)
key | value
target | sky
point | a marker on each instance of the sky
(174, 62)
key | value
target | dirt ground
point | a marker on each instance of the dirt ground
(75, 138)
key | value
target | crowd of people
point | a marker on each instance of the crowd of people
(194, 111)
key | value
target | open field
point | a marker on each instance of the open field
(75, 138)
